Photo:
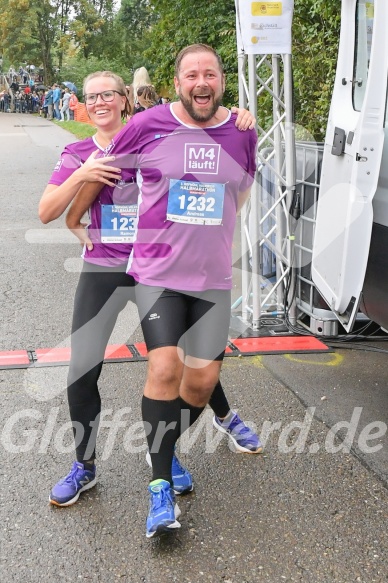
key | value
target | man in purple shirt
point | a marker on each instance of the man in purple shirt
(195, 173)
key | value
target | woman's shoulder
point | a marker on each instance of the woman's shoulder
(83, 147)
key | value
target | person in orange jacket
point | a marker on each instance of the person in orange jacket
(73, 102)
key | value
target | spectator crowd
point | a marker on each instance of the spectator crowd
(24, 92)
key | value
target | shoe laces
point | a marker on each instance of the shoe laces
(71, 477)
(160, 498)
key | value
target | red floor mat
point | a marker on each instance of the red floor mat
(14, 359)
(136, 352)
(279, 345)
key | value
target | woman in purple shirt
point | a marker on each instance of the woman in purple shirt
(103, 276)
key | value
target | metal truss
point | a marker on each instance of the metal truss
(267, 230)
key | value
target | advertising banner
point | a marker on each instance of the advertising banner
(264, 27)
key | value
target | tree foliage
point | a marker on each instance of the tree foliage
(212, 23)
(44, 30)
(316, 28)
(136, 19)
(91, 27)
(80, 36)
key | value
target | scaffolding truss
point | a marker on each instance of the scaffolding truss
(267, 228)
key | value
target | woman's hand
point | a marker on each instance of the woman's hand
(245, 120)
(97, 170)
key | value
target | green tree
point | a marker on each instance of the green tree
(136, 19)
(315, 43)
(48, 29)
(16, 21)
(212, 23)
(316, 29)
(89, 33)
(29, 30)
(91, 27)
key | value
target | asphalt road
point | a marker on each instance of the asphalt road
(312, 508)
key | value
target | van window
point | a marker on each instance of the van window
(364, 33)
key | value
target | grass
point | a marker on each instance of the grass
(79, 129)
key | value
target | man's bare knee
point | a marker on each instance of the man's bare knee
(198, 384)
(164, 373)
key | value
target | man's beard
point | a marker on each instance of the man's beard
(200, 115)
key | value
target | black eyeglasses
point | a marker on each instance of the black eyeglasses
(107, 96)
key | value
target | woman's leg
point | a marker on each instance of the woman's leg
(100, 296)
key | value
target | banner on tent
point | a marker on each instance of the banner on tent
(264, 27)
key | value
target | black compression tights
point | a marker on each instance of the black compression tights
(100, 296)
(103, 292)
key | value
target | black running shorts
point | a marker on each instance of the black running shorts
(197, 322)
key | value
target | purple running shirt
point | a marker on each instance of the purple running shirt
(114, 207)
(189, 179)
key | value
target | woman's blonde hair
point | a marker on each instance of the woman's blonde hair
(120, 87)
(130, 95)
(140, 77)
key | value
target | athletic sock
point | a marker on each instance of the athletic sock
(228, 418)
(188, 415)
(162, 425)
(89, 464)
(218, 401)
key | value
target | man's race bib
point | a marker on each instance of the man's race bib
(197, 203)
(118, 223)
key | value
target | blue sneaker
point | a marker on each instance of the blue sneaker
(67, 490)
(243, 438)
(163, 512)
(181, 477)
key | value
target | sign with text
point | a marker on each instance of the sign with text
(264, 27)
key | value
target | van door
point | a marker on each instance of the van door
(352, 158)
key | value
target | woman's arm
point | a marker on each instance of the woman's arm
(245, 120)
(242, 198)
(56, 199)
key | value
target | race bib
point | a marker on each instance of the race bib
(197, 203)
(118, 223)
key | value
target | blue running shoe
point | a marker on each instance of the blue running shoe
(163, 512)
(243, 438)
(181, 477)
(67, 490)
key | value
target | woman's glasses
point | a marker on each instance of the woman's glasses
(107, 96)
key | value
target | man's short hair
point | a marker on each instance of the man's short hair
(196, 48)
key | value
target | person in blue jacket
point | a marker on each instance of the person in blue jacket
(48, 102)
(56, 100)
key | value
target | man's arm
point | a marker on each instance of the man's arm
(81, 203)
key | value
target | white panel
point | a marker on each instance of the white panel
(349, 181)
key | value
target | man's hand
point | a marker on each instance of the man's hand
(80, 231)
(245, 120)
(81, 203)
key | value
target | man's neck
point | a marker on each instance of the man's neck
(180, 112)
